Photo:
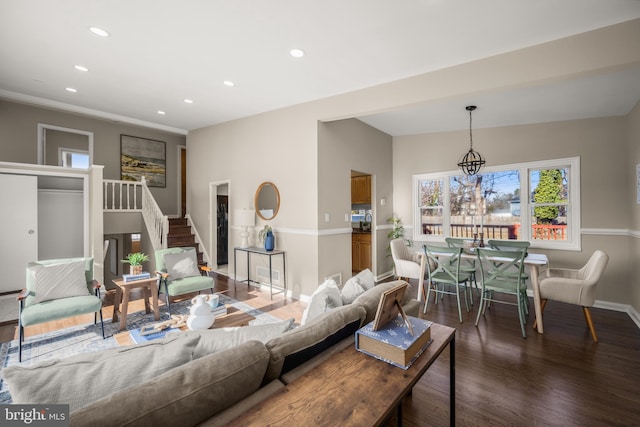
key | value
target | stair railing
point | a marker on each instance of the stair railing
(122, 196)
(157, 223)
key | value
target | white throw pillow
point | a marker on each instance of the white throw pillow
(182, 264)
(326, 297)
(56, 281)
(352, 290)
(367, 279)
(215, 340)
(85, 378)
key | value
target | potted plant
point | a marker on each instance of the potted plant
(396, 232)
(135, 261)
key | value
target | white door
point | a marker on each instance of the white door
(18, 228)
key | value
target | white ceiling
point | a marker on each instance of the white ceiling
(163, 51)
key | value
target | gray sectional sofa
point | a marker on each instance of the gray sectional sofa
(214, 388)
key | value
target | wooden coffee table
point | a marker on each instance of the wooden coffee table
(233, 318)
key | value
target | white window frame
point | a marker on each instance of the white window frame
(64, 155)
(573, 241)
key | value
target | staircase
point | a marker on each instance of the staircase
(180, 235)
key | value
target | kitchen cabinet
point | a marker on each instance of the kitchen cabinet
(361, 189)
(360, 251)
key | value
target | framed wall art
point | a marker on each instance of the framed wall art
(143, 157)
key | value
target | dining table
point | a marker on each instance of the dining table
(533, 261)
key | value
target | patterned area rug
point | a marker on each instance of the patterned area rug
(86, 338)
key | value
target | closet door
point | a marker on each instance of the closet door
(18, 228)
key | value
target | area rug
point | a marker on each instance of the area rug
(87, 338)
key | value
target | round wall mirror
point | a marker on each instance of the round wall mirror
(267, 200)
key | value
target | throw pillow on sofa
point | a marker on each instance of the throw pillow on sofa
(326, 297)
(357, 285)
(85, 378)
(216, 340)
(352, 290)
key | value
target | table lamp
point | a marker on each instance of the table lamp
(244, 218)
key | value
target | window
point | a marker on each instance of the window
(527, 201)
(74, 158)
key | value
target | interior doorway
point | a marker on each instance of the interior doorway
(362, 222)
(219, 202)
(182, 177)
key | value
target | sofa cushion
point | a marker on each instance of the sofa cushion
(370, 299)
(215, 340)
(295, 347)
(325, 298)
(181, 264)
(57, 281)
(186, 395)
(82, 379)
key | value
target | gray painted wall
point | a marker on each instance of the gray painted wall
(18, 143)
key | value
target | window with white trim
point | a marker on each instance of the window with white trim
(535, 201)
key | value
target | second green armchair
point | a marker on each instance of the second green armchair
(178, 272)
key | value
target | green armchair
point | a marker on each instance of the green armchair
(57, 289)
(178, 273)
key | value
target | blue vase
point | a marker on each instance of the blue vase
(269, 241)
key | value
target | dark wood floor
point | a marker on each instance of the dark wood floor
(560, 378)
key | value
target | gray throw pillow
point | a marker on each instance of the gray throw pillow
(56, 281)
(82, 379)
(181, 264)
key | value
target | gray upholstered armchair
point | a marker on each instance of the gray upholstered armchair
(57, 289)
(575, 286)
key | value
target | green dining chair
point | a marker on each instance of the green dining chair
(468, 265)
(497, 277)
(446, 278)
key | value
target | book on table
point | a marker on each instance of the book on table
(393, 342)
(219, 310)
(134, 277)
(139, 337)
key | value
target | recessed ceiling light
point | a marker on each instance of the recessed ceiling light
(162, 113)
(296, 53)
(188, 101)
(229, 83)
(70, 89)
(80, 68)
(99, 31)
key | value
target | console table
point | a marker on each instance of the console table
(351, 388)
(260, 251)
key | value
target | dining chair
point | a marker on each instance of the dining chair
(406, 263)
(447, 274)
(468, 265)
(575, 286)
(497, 277)
(512, 245)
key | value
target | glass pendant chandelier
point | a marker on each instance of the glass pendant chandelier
(471, 162)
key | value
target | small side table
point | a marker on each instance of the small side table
(149, 287)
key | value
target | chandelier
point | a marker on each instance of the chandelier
(472, 162)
